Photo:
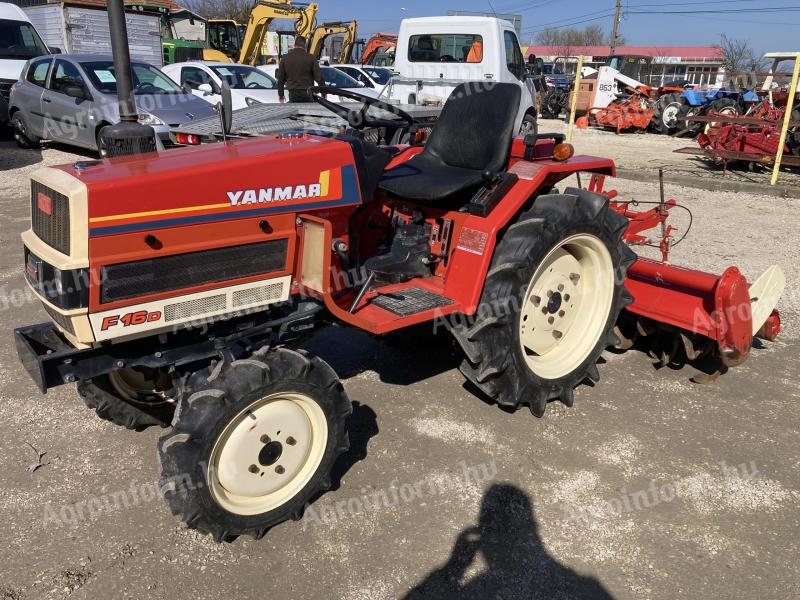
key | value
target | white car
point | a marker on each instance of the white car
(249, 86)
(333, 78)
(372, 77)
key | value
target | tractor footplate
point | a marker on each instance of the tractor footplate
(410, 301)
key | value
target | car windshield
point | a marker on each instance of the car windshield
(335, 78)
(382, 76)
(241, 77)
(146, 79)
(19, 40)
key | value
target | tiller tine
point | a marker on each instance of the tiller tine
(693, 305)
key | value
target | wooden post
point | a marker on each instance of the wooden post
(786, 120)
(574, 99)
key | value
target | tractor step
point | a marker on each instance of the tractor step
(410, 301)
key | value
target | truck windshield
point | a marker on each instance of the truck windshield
(446, 47)
(146, 79)
(224, 36)
(19, 40)
(382, 76)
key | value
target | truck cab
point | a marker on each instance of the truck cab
(436, 54)
(19, 42)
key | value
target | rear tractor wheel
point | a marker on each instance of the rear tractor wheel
(133, 398)
(724, 106)
(253, 441)
(667, 110)
(551, 299)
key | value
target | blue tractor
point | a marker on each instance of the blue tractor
(671, 109)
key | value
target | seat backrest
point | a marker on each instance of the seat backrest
(476, 126)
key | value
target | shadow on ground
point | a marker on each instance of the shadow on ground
(14, 157)
(517, 563)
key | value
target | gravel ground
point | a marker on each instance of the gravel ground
(649, 487)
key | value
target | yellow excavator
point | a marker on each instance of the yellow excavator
(264, 12)
(325, 30)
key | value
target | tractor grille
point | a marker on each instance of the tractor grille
(50, 216)
(157, 275)
(187, 54)
(5, 88)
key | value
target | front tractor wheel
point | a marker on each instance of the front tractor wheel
(133, 398)
(253, 442)
(550, 302)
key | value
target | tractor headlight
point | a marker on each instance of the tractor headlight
(252, 101)
(145, 118)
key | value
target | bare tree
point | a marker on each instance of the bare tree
(737, 54)
(568, 37)
(238, 10)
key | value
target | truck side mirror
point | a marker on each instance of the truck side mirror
(205, 88)
(76, 90)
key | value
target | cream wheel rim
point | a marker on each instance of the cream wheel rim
(566, 306)
(267, 453)
(670, 115)
(728, 111)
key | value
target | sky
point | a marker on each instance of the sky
(768, 31)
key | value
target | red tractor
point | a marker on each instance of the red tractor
(181, 284)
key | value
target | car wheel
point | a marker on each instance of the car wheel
(22, 134)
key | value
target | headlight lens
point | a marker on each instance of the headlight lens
(145, 118)
(251, 101)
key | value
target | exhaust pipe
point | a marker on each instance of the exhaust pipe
(128, 136)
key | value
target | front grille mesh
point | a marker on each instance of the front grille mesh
(5, 88)
(259, 295)
(194, 308)
(52, 229)
(179, 271)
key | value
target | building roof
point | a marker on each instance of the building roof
(684, 52)
(172, 5)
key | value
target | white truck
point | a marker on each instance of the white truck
(435, 54)
(19, 42)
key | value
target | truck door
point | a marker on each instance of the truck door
(516, 74)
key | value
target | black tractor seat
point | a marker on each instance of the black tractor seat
(472, 137)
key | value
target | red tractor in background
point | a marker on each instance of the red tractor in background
(181, 285)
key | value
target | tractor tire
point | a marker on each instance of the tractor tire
(724, 106)
(551, 105)
(253, 441)
(666, 111)
(22, 135)
(550, 301)
(528, 126)
(130, 398)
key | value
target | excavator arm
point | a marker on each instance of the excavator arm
(325, 30)
(263, 14)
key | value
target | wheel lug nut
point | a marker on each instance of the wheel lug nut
(560, 287)
(550, 320)
(253, 469)
(544, 310)
(561, 313)
(265, 439)
(280, 470)
(566, 297)
(557, 334)
(549, 293)
(574, 278)
(291, 441)
(536, 300)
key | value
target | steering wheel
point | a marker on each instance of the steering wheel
(359, 119)
(447, 58)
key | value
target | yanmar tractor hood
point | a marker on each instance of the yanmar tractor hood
(217, 182)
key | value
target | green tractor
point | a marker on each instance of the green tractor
(184, 34)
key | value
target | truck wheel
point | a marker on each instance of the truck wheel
(550, 301)
(528, 125)
(667, 109)
(253, 441)
(131, 398)
(22, 135)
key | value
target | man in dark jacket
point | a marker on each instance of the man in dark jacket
(297, 72)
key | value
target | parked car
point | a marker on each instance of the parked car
(19, 42)
(248, 85)
(333, 78)
(70, 98)
(371, 77)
